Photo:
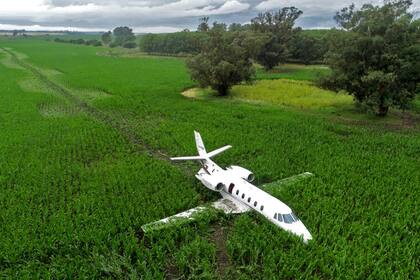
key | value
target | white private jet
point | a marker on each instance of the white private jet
(239, 195)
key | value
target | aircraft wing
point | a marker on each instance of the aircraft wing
(287, 181)
(227, 206)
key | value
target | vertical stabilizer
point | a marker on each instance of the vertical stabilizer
(200, 145)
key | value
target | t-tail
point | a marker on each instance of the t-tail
(202, 153)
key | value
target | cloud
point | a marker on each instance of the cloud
(159, 14)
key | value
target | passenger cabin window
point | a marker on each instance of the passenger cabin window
(243, 196)
(249, 199)
(237, 192)
(255, 204)
(262, 207)
(231, 186)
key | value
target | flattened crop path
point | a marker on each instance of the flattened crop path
(93, 112)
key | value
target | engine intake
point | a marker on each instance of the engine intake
(212, 182)
(243, 173)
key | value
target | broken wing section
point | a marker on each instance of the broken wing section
(287, 181)
(230, 207)
(227, 206)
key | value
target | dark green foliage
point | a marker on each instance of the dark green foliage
(377, 59)
(223, 62)
(234, 27)
(305, 48)
(95, 43)
(107, 38)
(80, 41)
(113, 45)
(279, 26)
(204, 25)
(173, 43)
(130, 45)
(123, 35)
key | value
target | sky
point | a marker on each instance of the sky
(157, 16)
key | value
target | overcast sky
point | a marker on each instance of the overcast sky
(157, 15)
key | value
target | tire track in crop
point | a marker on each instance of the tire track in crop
(121, 127)
(131, 137)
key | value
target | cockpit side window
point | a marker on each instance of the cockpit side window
(280, 218)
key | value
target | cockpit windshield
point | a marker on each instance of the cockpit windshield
(286, 218)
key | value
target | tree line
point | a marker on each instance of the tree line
(374, 56)
(304, 46)
(92, 42)
(122, 36)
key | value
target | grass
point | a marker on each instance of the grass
(298, 94)
(76, 189)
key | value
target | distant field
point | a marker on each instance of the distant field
(85, 141)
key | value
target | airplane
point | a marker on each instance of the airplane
(238, 194)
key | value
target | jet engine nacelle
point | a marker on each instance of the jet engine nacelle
(243, 173)
(212, 182)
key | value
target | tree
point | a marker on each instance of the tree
(305, 48)
(235, 27)
(279, 26)
(107, 38)
(204, 25)
(377, 59)
(223, 62)
(123, 35)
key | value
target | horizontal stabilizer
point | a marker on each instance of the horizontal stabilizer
(218, 151)
(202, 153)
(287, 181)
(188, 158)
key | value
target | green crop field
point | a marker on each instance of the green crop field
(84, 147)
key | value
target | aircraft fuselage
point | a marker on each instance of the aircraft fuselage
(232, 184)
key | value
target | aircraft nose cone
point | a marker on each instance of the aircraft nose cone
(307, 236)
(302, 231)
